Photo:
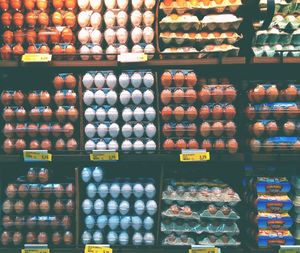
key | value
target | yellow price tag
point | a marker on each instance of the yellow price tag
(36, 57)
(35, 251)
(104, 156)
(195, 157)
(297, 250)
(204, 250)
(97, 249)
(36, 156)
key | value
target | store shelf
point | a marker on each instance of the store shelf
(258, 250)
(275, 157)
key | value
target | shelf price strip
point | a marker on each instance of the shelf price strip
(204, 249)
(35, 248)
(35, 251)
(104, 155)
(289, 249)
(97, 249)
(132, 57)
(37, 156)
(194, 155)
(36, 58)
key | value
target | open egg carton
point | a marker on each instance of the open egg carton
(194, 29)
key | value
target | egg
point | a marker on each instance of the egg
(125, 97)
(91, 190)
(151, 207)
(125, 222)
(83, 4)
(122, 18)
(101, 114)
(96, 37)
(148, 96)
(122, 49)
(84, 53)
(112, 207)
(150, 113)
(88, 97)
(150, 146)
(87, 206)
(110, 36)
(111, 97)
(138, 114)
(124, 207)
(137, 4)
(112, 236)
(86, 237)
(111, 81)
(138, 190)
(122, 4)
(102, 130)
(98, 237)
(109, 19)
(89, 145)
(97, 52)
(126, 190)
(127, 114)
(149, 239)
(99, 206)
(148, 223)
(127, 130)
(103, 190)
(88, 81)
(137, 49)
(86, 174)
(148, 79)
(137, 239)
(83, 19)
(136, 35)
(113, 145)
(137, 96)
(138, 146)
(90, 130)
(148, 18)
(84, 36)
(96, 20)
(99, 80)
(115, 190)
(113, 114)
(101, 145)
(89, 114)
(122, 35)
(99, 97)
(148, 34)
(150, 130)
(114, 130)
(136, 222)
(102, 221)
(97, 174)
(111, 52)
(96, 5)
(126, 146)
(124, 80)
(138, 130)
(89, 222)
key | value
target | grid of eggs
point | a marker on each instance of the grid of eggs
(38, 27)
(108, 29)
(117, 212)
(37, 210)
(39, 120)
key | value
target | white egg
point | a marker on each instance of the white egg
(114, 130)
(91, 190)
(113, 145)
(126, 190)
(137, 49)
(127, 130)
(101, 114)
(90, 130)
(150, 190)
(124, 207)
(83, 4)
(150, 113)
(87, 206)
(110, 4)
(138, 190)
(111, 53)
(98, 237)
(138, 130)
(111, 97)
(148, 80)
(89, 145)
(125, 97)
(99, 80)
(136, 18)
(97, 50)
(151, 207)
(89, 114)
(112, 236)
(113, 222)
(110, 19)
(88, 81)
(114, 190)
(96, 5)
(137, 97)
(89, 222)
(124, 80)
(123, 238)
(112, 207)
(96, 20)
(136, 35)
(110, 36)
(122, 35)
(149, 239)
(86, 237)
(149, 50)
(101, 145)
(99, 206)
(137, 4)
(102, 130)
(84, 36)
(122, 18)
(84, 53)
(113, 114)
(98, 174)
(138, 146)
(150, 146)
(148, 18)
(136, 223)
(137, 239)
(125, 222)
(138, 114)
(111, 81)
(122, 4)
(86, 174)
(122, 49)
(148, 34)
(127, 114)
(126, 146)
(102, 221)
(96, 37)
(88, 97)
(150, 130)
(83, 19)
(136, 79)
(148, 223)
(148, 96)
(149, 4)
(103, 190)
(99, 97)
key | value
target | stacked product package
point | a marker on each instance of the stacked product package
(199, 212)
(270, 205)
(199, 28)
(295, 181)
(117, 211)
(38, 209)
(39, 119)
(282, 37)
(272, 111)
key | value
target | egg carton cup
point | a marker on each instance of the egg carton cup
(289, 22)
(277, 51)
(221, 241)
(224, 50)
(65, 81)
(274, 37)
(224, 213)
(218, 129)
(267, 238)
(203, 8)
(224, 22)
(175, 22)
(273, 221)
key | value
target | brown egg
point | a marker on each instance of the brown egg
(17, 238)
(6, 238)
(46, 144)
(18, 98)
(35, 190)
(289, 128)
(191, 79)
(72, 144)
(229, 112)
(58, 82)
(73, 114)
(8, 130)
(181, 144)
(6, 19)
(7, 221)
(11, 191)
(58, 4)
(178, 113)
(32, 130)
(44, 206)
(61, 114)
(54, 35)
(31, 36)
(70, 81)
(268, 146)
(70, 4)
(8, 146)
(258, 129)
(44, 130)
(42, 238)
(219, 145)
(272, 128)
(34, 145)
(59, 97)
(31, 18)
(32, 49)
(43, 175)
(178, 96)
(45, 98)
(166, 96)
(18, 19)
(193, 144)
(47, 190)
(31, 175)
(255, 145)
(23, 191)
(191, 130)
(8, 37)
(71, 50)
(70, 19)
(58, 190)
(8, 206)
(33, 207)
(20, 130)
(44, 49)
(70, 190)
(217, 112)
(179, 130)
(43, 19)
(166, 113)
(57, 19)
(6, 52)
(71, 97)
(4, 5)
(16, 4)
(217, 94)
(21, 114)
(204, 95)
(43, 36)
(47, 114)
(6, 98)
(56, 238)
(178, 79)
(70, 206)
(35, 114)
(230, 129)
(20, 145)
(8, 114)
(230, 94)
(60, 145)
(19, 206)
(31, 237)
(56, 130)
(205, 129)
(29, 4)
(291, 93)
(58, 207)
(206, 144)
(56, 51)
(68, 130)
(33, 98)
(232, 146)
(166, 79)
(19, 36)
(68, 238)
(258, 94)
(217, 129)
(272, 93)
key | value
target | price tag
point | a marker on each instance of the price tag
(204, 249)
(97, 249)
(36, 57)
(35, 251)
(37, 156)
(195, 157)
(132, 57)
(35, 248)
(105, 155)
(289, 249)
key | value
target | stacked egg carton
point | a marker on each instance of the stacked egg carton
(283, 32)
(272, 111)
(101, 114)
(38, 26)
(138, 100)
(217, 114)
(36, 210)
(199, 213)
(295, 181)
(193, 29)
(119, 211)
(268, 205)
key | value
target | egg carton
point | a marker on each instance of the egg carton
(136, 96)
(180, 52)
(138, 130)
(100, 97)
(224, 213)
(287, 8)
(199, 40)
(277, 51)
(181, 212)
(174, 129)
(138, 113)
(202, 7)
(101, 114)
(138, 145)
(218, 111)
(142, 17)
(65, 81)
(221, 241)
(218, 129)
(178, 240)
(185, 78)
(268, 238)
(224, 22)
(273, 221)
(289, 22)
(224, 50)
(178, 95)
(186, 22)
(217, 93)
(179, 113)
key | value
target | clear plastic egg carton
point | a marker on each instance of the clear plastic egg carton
(282, 7)
(288, 22)
(224, 129)
(276, 51)
(276, 37)
(278, 144)
(178, 240)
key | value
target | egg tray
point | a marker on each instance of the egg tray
(287, 8)
(269, 238)
(223, 22)
(274, 37)
(216, 228)
(217, 131)
(178, 23)
(289, 22)
(184, 129)
(198, 40)
(220, 241)
(273, 221)
(178, 96)
(277, 51)
(177, 240)
(203, 8)
(180, 53)
(223, 50)
(217, 93)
